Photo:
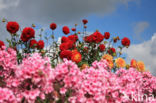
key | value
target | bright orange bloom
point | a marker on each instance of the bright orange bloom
(107, 57)
(111, 64)
(120, 62)
(76, 57)
(140, 66)
(133, 63)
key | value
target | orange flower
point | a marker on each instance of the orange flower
(111, 64)
(133, 63)
(84, 66)
(120, 62)
(107, 57)
(76, 56)
(140, 66)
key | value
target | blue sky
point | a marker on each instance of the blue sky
(123, 20)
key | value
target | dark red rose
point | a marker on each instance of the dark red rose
(125, 41)
(66, 30)
(24, 39)
(102, 47)
(111, 50)
(73, 38)
(85, 21)
(106, 35)
(33, 43)
(97, 37)
(115, 40)
(53, 26)
(66, 54)
(64, 39)
(71, 44)
(27, 34)
(64, 46)
(40, 44)
(1, 44)
(73, 29)
(12, 27)
(88, 39)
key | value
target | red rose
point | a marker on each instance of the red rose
(97, 37)
(73, 29)
(40, 44)
(24, 39)
(102, 47)
(53, 26)
(88, 39)
(106, 35)
(66, 54)
(64, 46)
(70, 44)
(64, 39)
(73, 38)
(66, 30)
(85, 21)
(12, 27)
(27, 34)
(125, 41)
(111, 50)
(1, 44)
(33, 43)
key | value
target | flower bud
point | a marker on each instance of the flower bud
(127, 66)
(75, 24)
(43, 51)
(3, 20)
(52, 36)
(79, 32)
(120, 53)
(33, 25)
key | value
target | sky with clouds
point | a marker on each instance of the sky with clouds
(127, 18)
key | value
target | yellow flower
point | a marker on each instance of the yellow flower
(120, 62)
(140, 66)
(107, 57)
(133, 63)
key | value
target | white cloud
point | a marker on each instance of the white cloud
(61, 11)
(139, 28)
(43, 12)
(145, 52)
(7, 4)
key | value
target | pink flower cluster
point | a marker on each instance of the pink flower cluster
(34, 78)
(98, 85)
(7, 96)
(31, 79)
(8, 62)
